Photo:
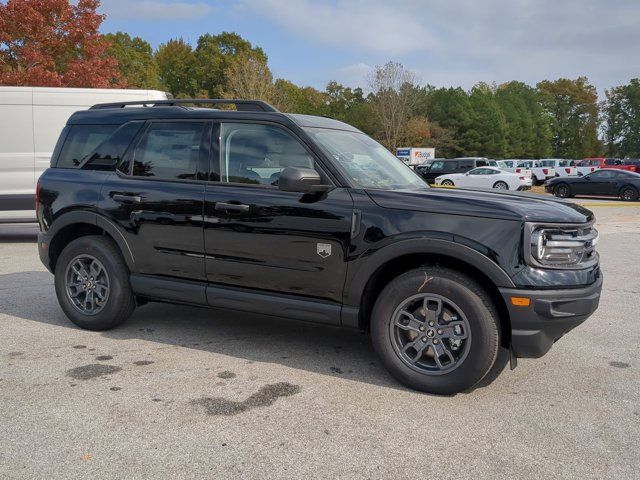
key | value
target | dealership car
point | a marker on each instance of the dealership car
(441, 166)
(307, 218)
(486, 177)
(604, 181)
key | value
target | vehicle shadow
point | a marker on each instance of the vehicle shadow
(315, 348)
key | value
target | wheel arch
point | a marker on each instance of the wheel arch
(73, 225)
(369, 281)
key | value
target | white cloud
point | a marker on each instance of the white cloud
(460, 42)
(355, 75)
(354, 25)
(154, 10)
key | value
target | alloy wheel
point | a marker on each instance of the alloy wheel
(430, 334)
(87, 284)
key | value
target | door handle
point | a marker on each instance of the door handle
(232, 207)
(118, 197)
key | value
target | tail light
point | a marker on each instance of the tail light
(545, 171)
(522, 178)
(518, 170)
(37, 195)
(568, 170)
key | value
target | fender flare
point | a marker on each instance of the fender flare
(92, 218)
(357, 283)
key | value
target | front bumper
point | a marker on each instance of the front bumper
(550, 314)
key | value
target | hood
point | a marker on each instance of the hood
(483, 203)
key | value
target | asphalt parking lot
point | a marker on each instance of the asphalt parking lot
(181, 392)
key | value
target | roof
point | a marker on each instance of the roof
(116, 115)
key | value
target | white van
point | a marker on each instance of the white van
(31, 119)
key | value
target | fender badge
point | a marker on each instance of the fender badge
(324, 250)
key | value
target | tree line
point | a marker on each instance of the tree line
(57, 43)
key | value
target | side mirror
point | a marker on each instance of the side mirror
(302, 180)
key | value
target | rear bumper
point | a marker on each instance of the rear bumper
(550, 315)
(43, 250)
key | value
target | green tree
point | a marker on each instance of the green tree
(487, 135)
(528, 134)
(292, 98)
(450, 109)
(176, 64)
(135, 58)
(213, 57)
(630, 143)
(572, 106)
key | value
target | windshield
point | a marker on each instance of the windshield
(367, 163)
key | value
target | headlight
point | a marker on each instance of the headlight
(561, 246)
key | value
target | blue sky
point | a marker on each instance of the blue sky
(446, 43)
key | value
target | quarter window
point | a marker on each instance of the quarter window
(257, 153)
(170, 150)
(82, 140)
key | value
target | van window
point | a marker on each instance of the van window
(82, 140)
(450, 166)
(466, 164)
(170, 151)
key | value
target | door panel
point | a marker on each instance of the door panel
(284, 241)
(160, 206)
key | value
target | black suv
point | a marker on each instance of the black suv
(307, 218)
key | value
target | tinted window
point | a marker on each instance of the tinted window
(254, 153)
(602, 175)
(451, 166)
(437, 166)
(170, 150)
(109, 153)
(82, 140)
(466, 164)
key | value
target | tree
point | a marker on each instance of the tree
(214, 55)
(486, 137)
(572, 106)
(451, 109)
(621, 114)
(176, 65)
(291, 98)
(249, 78)
(54, 43)
(136, 62)
(393, 100)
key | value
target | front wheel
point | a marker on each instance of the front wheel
(435, 330)
(629, 194)
(501, 186)
(92, 283)
(447, 183)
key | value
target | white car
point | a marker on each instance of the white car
(486, 177)
(563, 168)
(512, 167)
(539, 173)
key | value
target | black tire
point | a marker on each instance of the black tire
(501, 186)
(477, 309)
(629, 194)
(120, 300)
(562, 190)
(447, 183)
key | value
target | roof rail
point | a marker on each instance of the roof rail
(241, 105)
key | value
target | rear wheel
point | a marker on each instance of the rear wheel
(435, 330)
(92, 283)
(501, 186)
(562, 190)
(629, 194)
(447, 183)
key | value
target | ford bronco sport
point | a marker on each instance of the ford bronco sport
(308, 218)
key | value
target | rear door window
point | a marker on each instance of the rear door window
(81, 141)
(171, 151)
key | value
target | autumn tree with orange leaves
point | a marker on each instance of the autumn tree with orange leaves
(56, 44)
